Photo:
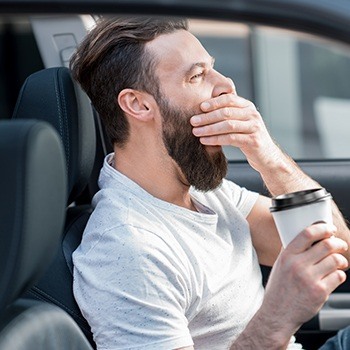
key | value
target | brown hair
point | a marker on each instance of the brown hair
(111, 58)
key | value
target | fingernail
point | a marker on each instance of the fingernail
(196, 131)
(195, 119)
(205, 105)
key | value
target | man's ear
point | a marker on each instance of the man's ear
(136, 104)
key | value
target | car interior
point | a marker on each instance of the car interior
(43, 104)
(34, 202)
(73, 118)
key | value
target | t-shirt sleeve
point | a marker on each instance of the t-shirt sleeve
(242, 198)
(133, 290)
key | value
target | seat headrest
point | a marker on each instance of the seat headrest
(51, 95)
(32, 203)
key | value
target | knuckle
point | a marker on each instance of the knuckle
(255, 128)
(308, 235)
(327, 245)
(231, 125)
(254, 140)
(253, 111)
(301, 275)
(227, 112)
(319, 292)
(337, 260)
(251, 104)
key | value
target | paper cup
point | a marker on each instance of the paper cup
(295, 211)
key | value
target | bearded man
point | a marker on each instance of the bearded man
(170, 256)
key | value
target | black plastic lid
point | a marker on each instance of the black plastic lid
(297, 199)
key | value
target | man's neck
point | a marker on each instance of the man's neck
(159, 176)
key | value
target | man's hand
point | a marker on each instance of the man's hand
(232, 120)
(304, 275)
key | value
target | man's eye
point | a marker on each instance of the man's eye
(197, 76)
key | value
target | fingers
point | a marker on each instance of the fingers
(229, 120)
(228, 132)
(310, 236)
(321, 288)
(329, 246)
(223, 107)
(225, 100)
(318, 255)
(331, 263)
(332, 281)
(225, 127)
(231, 139)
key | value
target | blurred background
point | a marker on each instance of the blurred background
(299, 83)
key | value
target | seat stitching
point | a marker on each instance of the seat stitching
(63, 120)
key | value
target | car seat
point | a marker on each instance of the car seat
(53, 96)
(32, 209)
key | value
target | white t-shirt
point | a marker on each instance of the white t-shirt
(152, 275)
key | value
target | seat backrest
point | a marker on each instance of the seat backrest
(32, 209)
(53, 96)
(33, 325)
(32, 203)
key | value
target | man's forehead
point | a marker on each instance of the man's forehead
(178, 50)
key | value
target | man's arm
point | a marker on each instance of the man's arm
(311, 266)
(266, 240)
(232, 120)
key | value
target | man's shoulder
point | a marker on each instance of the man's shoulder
(127, 238)
(122, 210)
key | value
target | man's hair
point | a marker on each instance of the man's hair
(113, 57)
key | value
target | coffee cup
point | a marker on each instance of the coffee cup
(293, 212)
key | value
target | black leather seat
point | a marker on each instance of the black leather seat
(32, 209)
(51, 95)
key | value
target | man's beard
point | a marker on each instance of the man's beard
(202, 170)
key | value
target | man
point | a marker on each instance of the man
(170, 257)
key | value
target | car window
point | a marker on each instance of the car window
(19, 57)
(299, 83)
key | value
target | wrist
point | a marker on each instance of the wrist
(264, 331)
(272, 158)
(282, 175)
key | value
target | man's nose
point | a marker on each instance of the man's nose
(223, 85)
